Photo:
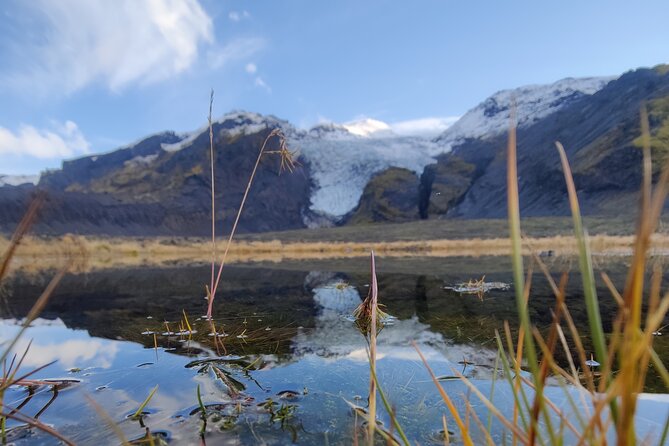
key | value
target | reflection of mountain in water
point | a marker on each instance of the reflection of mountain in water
(335, 334)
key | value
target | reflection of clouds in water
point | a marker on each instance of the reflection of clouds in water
(69, 354)
(52, 341)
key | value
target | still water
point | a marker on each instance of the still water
(288, 363)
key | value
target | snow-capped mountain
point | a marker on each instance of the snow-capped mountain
(362, 171)
(18, 180)
(344, 157)
(532, 103)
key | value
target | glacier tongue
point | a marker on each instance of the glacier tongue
(342, 166)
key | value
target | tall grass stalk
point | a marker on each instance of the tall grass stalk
(213, 199)
(286, 159)
(513, 203)
(374, 291)
(585, 266)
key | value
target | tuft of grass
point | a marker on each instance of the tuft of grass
(598, 403)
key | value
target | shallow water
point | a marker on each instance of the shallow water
(288, 363)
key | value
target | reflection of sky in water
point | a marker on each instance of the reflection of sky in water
(52, 341)
(329, 360)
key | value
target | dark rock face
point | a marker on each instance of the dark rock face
(166, 193)
(443, 184)
(390, 196)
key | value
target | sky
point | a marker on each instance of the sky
(85, 76)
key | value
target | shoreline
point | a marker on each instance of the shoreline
(93, 253)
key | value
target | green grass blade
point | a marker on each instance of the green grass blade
(389, 409)
(585, 265)
(138, 413)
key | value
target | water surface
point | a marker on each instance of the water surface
(288, 363)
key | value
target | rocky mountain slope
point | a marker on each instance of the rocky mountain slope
(362, 172)
(600, 134)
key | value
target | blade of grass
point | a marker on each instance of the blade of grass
(203, 411)
(213, 196)
(274, 133)
(466, 439)
(389, 408)
(107, 419)
(513, 203)
(37, 424)
(138, 413)
(585, 265)
(374, 289)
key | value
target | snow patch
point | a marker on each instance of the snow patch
(533, 102)
(140, 161)
(18, 180)
(235, 123)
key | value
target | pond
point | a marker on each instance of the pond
(288, 364)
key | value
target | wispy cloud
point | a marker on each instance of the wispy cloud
(65, 139)
(237, 16)
(237, 49)
(251, 68)
(423, 127)
(115, 43)
(259, 82)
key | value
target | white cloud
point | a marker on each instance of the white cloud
(259, 82)
(116, 43)
(251, 68)
(424, 126)
(237, 49)
(62, 141)
(237, 16)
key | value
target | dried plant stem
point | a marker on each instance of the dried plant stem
(273, 133)
(374, 290)
(213, 198)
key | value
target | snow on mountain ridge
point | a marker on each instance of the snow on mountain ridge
(17, 180)
(532, 102)
(237, 122)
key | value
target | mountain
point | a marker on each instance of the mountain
(362, 171)
(532, 103)
(600, 132)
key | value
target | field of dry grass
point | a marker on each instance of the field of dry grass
(36, 253)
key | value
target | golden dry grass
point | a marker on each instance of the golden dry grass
(92, 253)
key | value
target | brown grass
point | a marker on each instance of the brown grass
(102, 253)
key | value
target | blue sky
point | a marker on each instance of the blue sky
(85, 76)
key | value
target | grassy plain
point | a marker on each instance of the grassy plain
(431, 238)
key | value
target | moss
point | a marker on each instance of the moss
(391, 195)
(661, 69)
(658, 118)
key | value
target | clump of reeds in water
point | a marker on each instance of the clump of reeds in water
(369, 309)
